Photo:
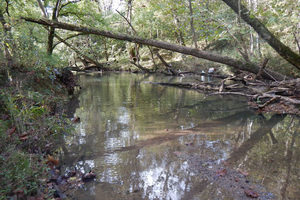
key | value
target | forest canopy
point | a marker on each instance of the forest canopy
(239, 34)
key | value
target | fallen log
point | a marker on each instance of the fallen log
(278, 97)
(238, 64)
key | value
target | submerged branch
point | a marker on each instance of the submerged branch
(280, 97)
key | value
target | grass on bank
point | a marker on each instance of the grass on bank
(31, 118)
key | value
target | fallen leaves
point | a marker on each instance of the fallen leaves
(24, 136)
(221, 172)
(250, 193)
(244, 173)
(51, 160)
(10, 131)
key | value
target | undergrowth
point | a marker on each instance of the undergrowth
(32, 105)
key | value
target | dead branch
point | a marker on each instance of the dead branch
(229, 93)
(168, 67)
(260, 72)
(140, 67)
(242, 65)
(294, 101)
(223, 82)
(268, 102)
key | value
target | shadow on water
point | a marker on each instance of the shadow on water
(147, 141)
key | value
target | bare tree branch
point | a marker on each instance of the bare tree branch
(67, 38)
(242, 65)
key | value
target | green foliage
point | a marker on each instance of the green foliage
(31, 122)
(22, 173)
(165, 20)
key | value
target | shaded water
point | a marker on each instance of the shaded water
(146, 141)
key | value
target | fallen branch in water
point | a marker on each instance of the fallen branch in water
(279, 97)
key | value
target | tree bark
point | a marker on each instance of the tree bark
(42, 8)
(52, 29)
(242, 65)
(192, 24)
(283, 50)
(8, 39)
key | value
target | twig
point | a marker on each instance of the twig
(228, 93)
(127, 22)
(67, 38)
(268, 102)
(269, 75)
(140, 67)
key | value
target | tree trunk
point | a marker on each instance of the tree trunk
(52, 29)
(178, 33)
(192, 24)
(105, 50)
(129, 13)
(283, 50)
(242, 65)
(7, 38)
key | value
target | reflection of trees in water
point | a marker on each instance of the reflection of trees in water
(275, 164)
(271, 154)
(255, 137)
(73, 105)
(266, 146)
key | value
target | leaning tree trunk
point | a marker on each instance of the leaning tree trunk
(283, 50)
(242, 65)
(51, 33)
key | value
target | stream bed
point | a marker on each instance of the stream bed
(147, 141)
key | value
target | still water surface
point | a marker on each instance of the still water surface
(141, 140)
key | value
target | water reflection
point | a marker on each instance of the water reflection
(142, 140)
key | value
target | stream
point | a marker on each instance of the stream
(147, 141)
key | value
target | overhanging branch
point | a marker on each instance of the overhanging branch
(242, 65)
